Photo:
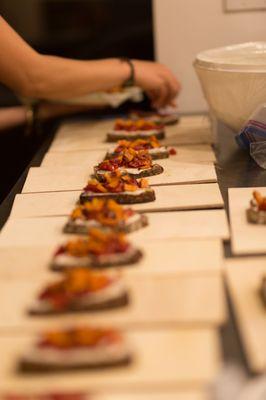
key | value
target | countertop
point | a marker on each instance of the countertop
(234, 169)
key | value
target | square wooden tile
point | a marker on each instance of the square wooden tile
(244, 277)
(173, 358)
(168, 198)
(247, 238)
(57, 179)
(186, 256)
(154, 302)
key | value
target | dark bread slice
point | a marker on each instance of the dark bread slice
(72, 227)
(120, 301)
(155, 156)
(160, 155)
(132, 258)
(256, 216)
(26, 366)
(156, 169)
(111, 138)
(146, 196)
(170, 119)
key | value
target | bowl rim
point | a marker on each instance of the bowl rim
(208, 59)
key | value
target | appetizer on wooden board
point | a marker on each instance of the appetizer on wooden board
(132, 130)
(123, 188)
(134, 163)
(166, 116)
(100, 249)
(81, 290)
(104, 214)
(76, 348)
(256, 213)
(152, 145)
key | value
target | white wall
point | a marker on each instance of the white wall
(185, 27)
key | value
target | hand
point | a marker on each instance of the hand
(157, 81)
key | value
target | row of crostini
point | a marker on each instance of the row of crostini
(101, 224)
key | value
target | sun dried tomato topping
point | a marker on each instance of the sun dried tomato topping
(137, 145)
(138, 125)
(144, 183)
(83, 337)
(106, 212)
(172, 152)
(128, 158)
(115, 182)
(76, 283)
(110, 165)
(260, 200)
(60, 250)
(95, 186)
(97, 243)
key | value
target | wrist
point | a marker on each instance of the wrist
(130, 81)
(121, 70)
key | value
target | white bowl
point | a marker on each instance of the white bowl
(233, 80)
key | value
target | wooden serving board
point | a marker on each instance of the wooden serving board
(84, 135)
(243, 277)
(184, 224)
(46, 231)
(185, 154)
(92, 135)
(201, 153)
(86, 159)
(190, 130)
(168, 198)
(174, 358)
(247, 238)
(75, 178)
(184, 197)
(44, 204)
(150, 395)
(193, 256)
(174, 307)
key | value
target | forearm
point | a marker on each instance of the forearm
(31, 74)
(12, 117)
(57, 78)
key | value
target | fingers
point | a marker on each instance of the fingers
(172, 84)
(163, 95)
(158, 82)
(168, 90)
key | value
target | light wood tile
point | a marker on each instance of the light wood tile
(75, 178)
(154, 302)
(244, 276)
(168, 198)
(175, 359)
(247, 238)
(193, 256)
(185, 154)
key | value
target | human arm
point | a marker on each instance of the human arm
(30, 74)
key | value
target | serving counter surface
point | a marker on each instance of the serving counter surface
(234, 169)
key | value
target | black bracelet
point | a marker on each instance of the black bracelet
(131, 80)
(31, 118)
